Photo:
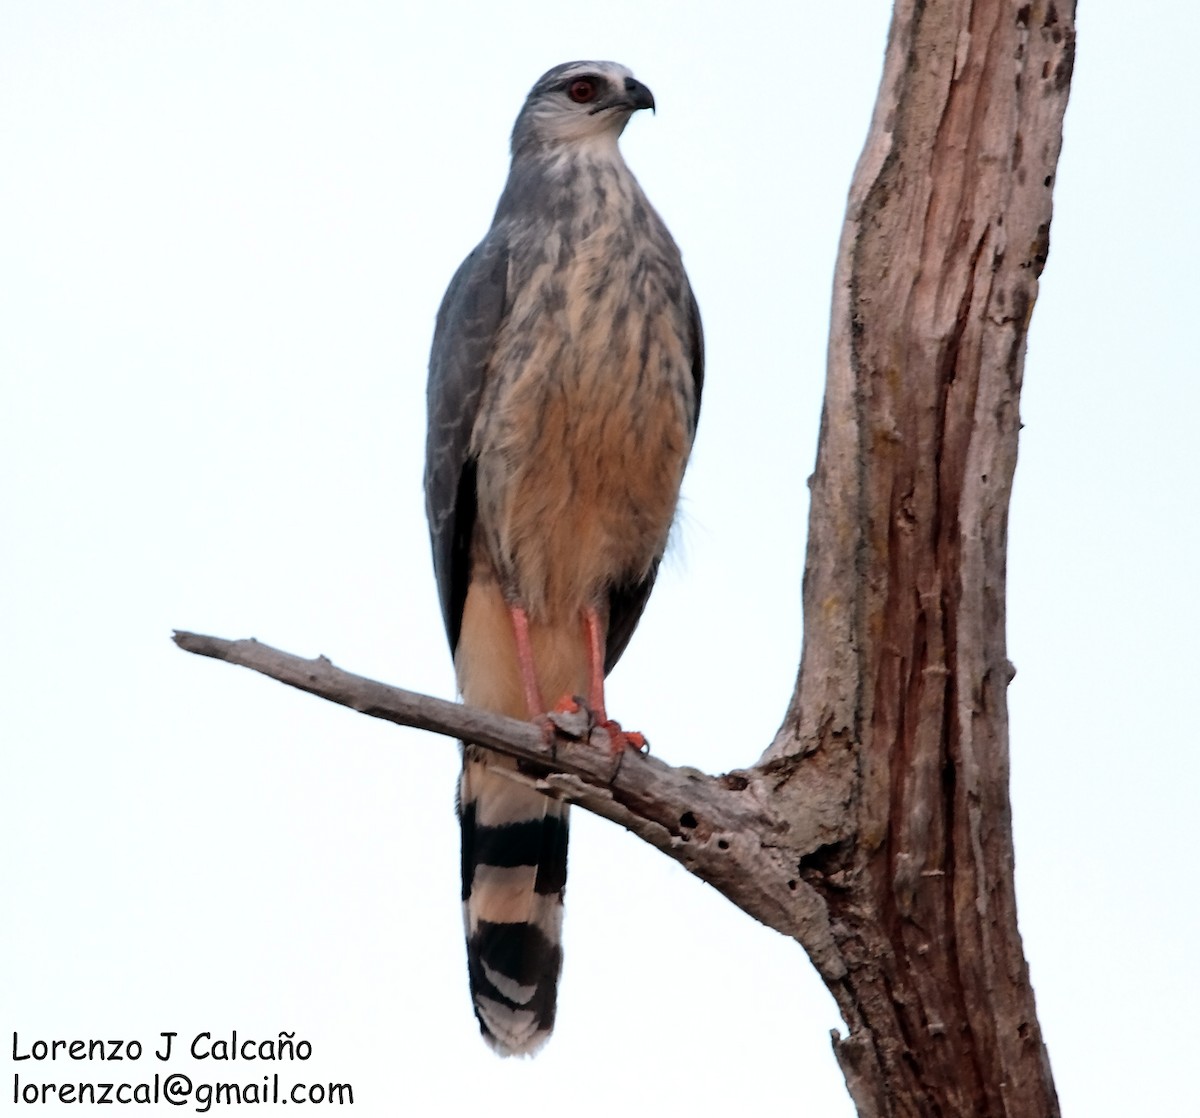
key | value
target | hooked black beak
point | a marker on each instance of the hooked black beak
(635, 96)
(638, 95)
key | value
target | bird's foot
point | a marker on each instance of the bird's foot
(573, 717)
(620, 740)
(568, 716)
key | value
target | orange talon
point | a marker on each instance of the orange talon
(568, 704)
(619, 740)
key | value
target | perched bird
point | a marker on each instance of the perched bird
(564, 387)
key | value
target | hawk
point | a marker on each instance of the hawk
(564, 388)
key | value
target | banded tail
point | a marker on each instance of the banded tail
(514, 872)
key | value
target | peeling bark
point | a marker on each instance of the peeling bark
(875, 830)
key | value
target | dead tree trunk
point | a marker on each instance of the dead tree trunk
(875, 830)
(904, 670)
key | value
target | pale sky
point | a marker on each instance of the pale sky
(224, 231)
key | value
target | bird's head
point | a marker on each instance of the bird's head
(578, 103)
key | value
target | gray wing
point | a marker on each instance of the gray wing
(467, 322)
(627, 602)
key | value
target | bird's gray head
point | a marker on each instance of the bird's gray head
(579, 104)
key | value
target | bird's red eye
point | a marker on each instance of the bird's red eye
(582, 91)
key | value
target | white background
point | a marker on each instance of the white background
(224, 232)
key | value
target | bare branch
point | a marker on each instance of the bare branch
(725, 829)
(319, 677)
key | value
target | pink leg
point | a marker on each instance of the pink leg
(596, 637)
(596, 640)
(529, 683)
